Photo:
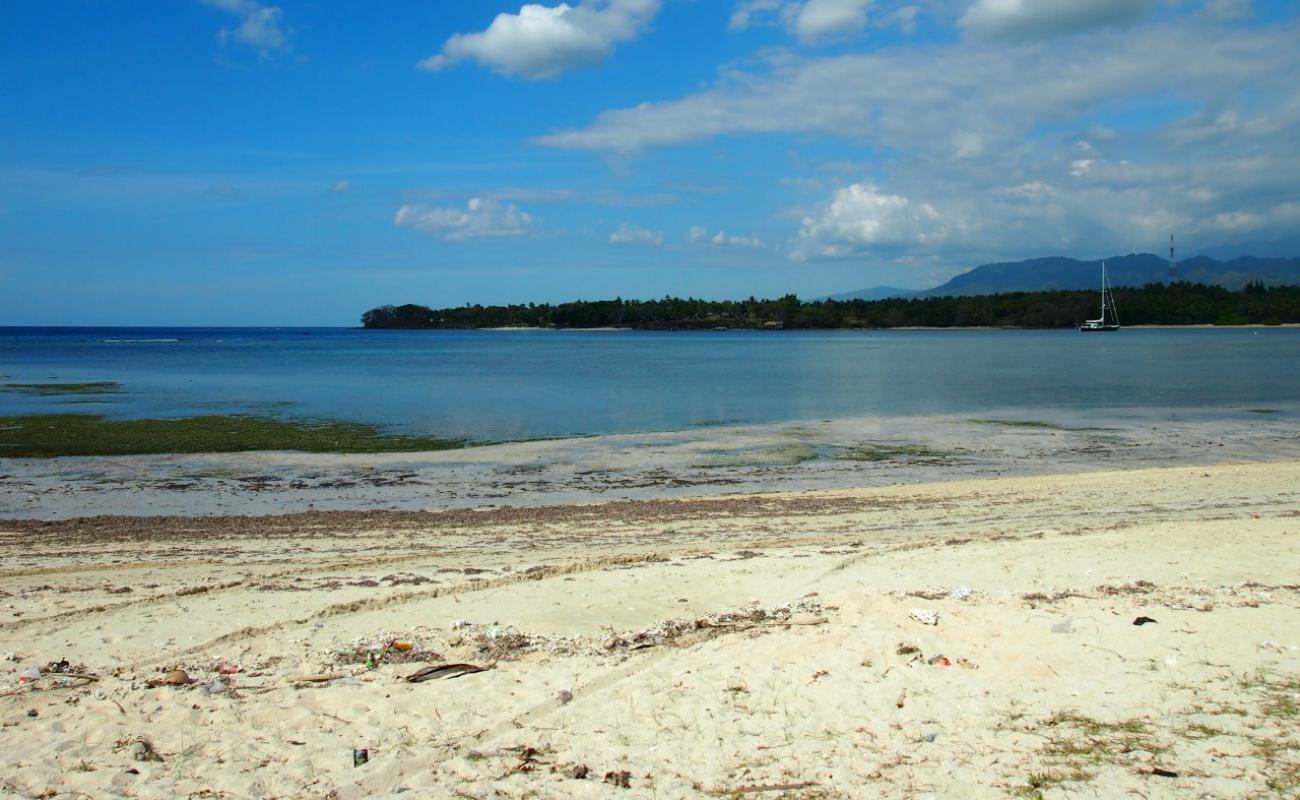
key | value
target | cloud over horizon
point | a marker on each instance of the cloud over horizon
(629, 233)
(478, 219)
(984, 118)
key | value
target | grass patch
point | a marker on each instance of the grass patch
(49, 389)
(53, 435)
(1037, 782)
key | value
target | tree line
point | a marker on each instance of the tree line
(1153, 304)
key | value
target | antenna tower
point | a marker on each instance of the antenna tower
(1173, 270)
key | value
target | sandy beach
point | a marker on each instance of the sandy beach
(963, 637)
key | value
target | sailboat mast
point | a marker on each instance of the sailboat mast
(1103, 293)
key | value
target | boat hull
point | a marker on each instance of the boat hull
(1098, 328)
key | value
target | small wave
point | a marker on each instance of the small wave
(137, 341)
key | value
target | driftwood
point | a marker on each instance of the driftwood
(329, 676)
(443, 671)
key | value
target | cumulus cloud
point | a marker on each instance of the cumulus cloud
(1014, 19)
(698, 234)
(628, 233)
(260, 26)
(1001, 139)
(546, 41)
(479, 218)
(812, 20)
(860, 216)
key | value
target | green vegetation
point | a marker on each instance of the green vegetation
(780, 456)
(1154, 304)
(46, 389)
(872, 451)
(52, 435)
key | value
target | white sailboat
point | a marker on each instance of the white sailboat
(1107, 304)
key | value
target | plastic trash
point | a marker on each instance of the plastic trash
(1065, 626)
(961, 592)
(360, 755)
(924, 616)
(938, 661)
(32, 674)
(215, 686)
(228, 668)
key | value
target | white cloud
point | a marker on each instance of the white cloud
(699, 234)
(545, 41)
(342, 186)
(1229, 9)
(817, 19)
(260, 26)
(860, 216)
(982, 116)
(1015, 19)
(813, 20)
(479, 218)
(628, 233)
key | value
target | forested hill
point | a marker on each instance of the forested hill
(1139, 269)
(1155, 304)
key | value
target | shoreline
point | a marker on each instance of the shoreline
(731, 459)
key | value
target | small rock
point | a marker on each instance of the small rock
(565, 696)
(33, 712)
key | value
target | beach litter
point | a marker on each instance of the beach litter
(29, 675)
(444, 671)
(938, 661)
(228, 668)
(177, 677)
(1065, 626)
(360, 755)
(1142, 620)
(925, 616)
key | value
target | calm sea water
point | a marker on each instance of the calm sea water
(487, 385)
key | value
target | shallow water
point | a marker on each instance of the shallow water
(500, 385)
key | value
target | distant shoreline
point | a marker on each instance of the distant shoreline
(610, 328)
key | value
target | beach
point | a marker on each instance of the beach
(908, 625)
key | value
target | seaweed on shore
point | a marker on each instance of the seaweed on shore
(54, 435)
(50, 389)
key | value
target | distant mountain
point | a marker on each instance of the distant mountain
(874, 293)
(1135, 269)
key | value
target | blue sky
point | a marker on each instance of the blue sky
(255, 162)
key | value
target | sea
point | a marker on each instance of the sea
(484, 386)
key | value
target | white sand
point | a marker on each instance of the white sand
(827, 703)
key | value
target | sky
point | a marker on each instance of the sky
(286, 162)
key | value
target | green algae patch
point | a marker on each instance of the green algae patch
(873, 451)
(53, 435)
(50, 389)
